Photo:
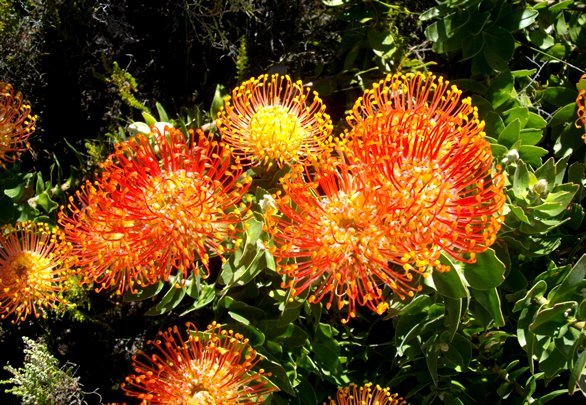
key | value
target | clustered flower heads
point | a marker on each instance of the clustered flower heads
(411, 180)
(358, 220)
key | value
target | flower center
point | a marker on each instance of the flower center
(201, 396)
(275, 134)
(27, 268)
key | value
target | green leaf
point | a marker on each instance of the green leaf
(15, 193)
(517, 113)
(491, 302)
(532, 154)
(520, 180)
(453, 314)
(162, 113)
(517, 19)
(499, 45)
(548, 321)
(144, 293)
(563, 115)
(547, 172)
(148, 118)
(576, 372)
(510, 134)
(449, 284)
(205, 297)
(218, 100)
(431, 358)
(519, 213)
(169, 301)
(573, 280)
(45, 201)
(488, 271)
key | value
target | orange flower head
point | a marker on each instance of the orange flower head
(272, 119)
(216, 367)
(366, 395)
(35, 263)
(109, 245)
(331, 238)
(427, 152)
(16, 124)
(159, 205)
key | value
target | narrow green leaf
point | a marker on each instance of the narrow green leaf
(577, 371)
(162, 113)
(453, 314)
(144, 293)
(488, 271)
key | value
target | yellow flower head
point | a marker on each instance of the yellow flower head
(271, 119)
(35, 263)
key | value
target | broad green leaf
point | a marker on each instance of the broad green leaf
(15, 193)
(547, 172)
(499, 45)
(519, 213)
(520, 180)
(564, 115)
(532, 154)
(574, 279)
(491, 302)
(45, 201)
(510, 134)
(431, 359)
(530, 136)
(449, 284)
(517, 19)
(517, 113)
(488, 271)
(548, 321)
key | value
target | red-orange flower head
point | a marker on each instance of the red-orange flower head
(216, 367)
(16, 124)
(272, 119)
(427, 151)
(160, 204)
(35, 263)
(366, 395)
(331, 239)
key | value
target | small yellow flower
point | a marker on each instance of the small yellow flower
(271, 119)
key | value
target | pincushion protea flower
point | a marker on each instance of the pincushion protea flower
(16, 124)
(425, 149)
(160, 204)
(331, 237)
(35, 263)
(271, 119)
(366, 395)
(216, 367)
